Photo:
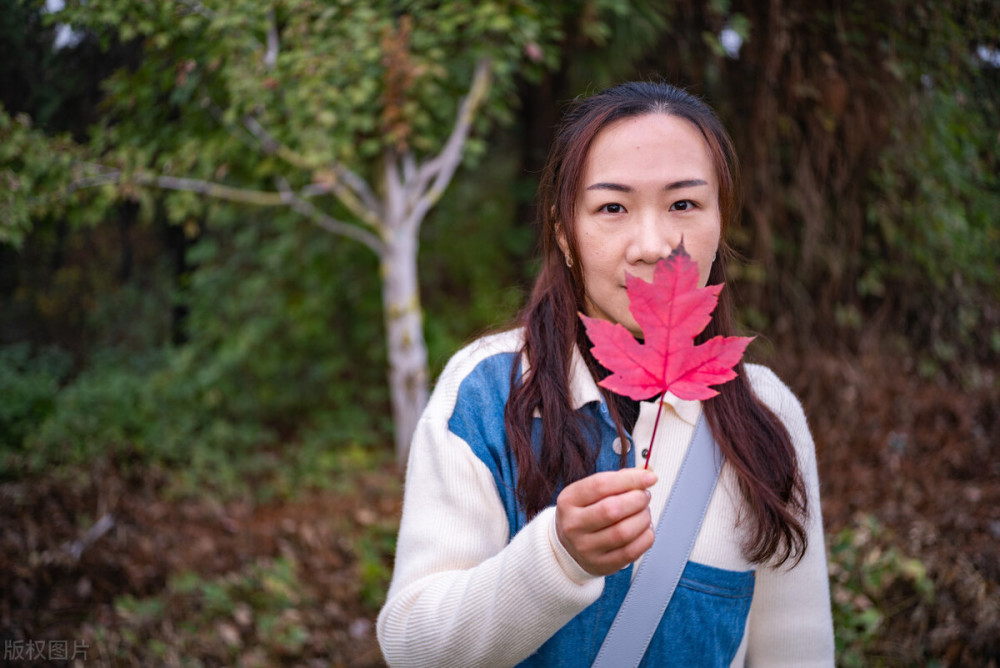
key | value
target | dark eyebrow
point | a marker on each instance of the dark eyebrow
(687, 183)
(610, 186)
(676, 185)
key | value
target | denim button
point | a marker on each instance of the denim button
(617, 446)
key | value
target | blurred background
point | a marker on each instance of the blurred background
(200, 214)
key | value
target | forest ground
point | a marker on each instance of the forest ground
(911, 494)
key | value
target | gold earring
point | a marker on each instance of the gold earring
(569, 261)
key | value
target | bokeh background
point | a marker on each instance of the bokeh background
(197, 462)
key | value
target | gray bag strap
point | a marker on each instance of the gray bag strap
(660, 570)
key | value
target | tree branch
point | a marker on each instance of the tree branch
(359, 186)
(203, 11)
(197, 8)
(286, 196)
(265, 141)
(208, 188)
(347, 186)
(101, 527)
(269, 143)
(442, 167)
(329, 223)
(212, 189)
(271, 56)
(335, 178)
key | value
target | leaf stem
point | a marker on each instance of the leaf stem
(649, 451)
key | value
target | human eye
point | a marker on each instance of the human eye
(612, 208)
(683, 205)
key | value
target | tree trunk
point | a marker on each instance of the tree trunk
(408, 375)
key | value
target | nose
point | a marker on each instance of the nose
(652, 240)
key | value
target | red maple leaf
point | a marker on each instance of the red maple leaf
(671, 311)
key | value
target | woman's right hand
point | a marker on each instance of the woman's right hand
(604, 521)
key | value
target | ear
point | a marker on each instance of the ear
(560, 231)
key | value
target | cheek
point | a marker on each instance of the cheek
(601, 249)
(707, 248)
(704, 270)
(598, 268)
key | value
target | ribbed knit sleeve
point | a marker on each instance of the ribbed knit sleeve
(463, 593)
(790, 620)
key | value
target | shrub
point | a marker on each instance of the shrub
(28, 387)
(866, 568)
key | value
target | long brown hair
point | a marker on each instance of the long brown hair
(755, 442)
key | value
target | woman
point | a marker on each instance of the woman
(525, 512)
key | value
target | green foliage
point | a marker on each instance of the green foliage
(273, 358)
(285, 345)
(937, 218)
(245, 92)
(474, 256)
(936, 241)
(255, 607)
(933, 240)
(87, 290)
(375, 547)
(30, 162)
(106, 409)
(28, 387)
(57, 88)
(288, 106)
(171, 414)
(287, 322)
(605, 39)
(865, 568)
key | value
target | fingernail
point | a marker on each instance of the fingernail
(649, 495)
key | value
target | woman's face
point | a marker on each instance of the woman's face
(648, 181)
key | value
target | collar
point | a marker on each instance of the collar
(687, 410)
(584, 390)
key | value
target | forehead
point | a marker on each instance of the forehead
(649, 146)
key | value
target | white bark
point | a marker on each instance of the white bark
(408, 374)
(410, 191)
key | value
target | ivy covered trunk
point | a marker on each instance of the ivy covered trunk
(407, 350)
